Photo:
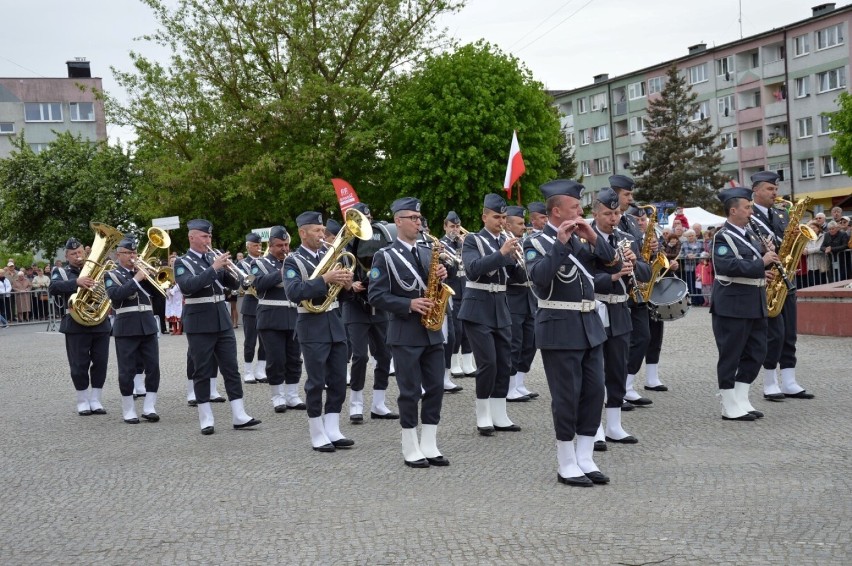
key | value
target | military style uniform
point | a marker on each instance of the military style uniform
(522, 307)
(249, 313)
(456, 280)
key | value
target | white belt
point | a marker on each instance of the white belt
(303, 310)
(611, 299)
(742, 280)
(582, 306)
(490, 287)
(200, 300)
(135, 308)
(275, 303)
(524, 284)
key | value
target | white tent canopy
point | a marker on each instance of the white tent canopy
(701, 216)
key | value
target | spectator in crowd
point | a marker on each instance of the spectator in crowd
(174, 305)
(22, 288)
(704, 275)
(835, 243)
(820, 219)
(707, 241)
(5, 298)
(844, 224)
(699, 233)
(677, 230)
(666, 233)
(9, 273)
(57, 263)
(690, 252)
(40, 284)
(836, 214)
(681, 217)
(672, 247)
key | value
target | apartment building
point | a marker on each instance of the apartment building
(39, 108)
(765, 94)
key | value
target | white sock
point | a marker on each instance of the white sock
(613, 424)
(190, 390)
(150, 404)
(139, 384)
(652, 378)
(213, 393)
(770, 382)
(585, 450)
(630, 393)
(566, 458)
(128, 408)
(788, 381)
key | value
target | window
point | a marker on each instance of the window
(725, 67)
(581, 105)
(585, 136)
(636, 156)
(729, 140)
(655, 85)
(600, 133)
(82, 111)
(7, 127)
(781, 169)
(829, 37)
(805, 127)
(830, 166)
(598, 101)
(832, 80)
(825, 124)
(697, 74)
(801, 45)
(803, 87)
(43, 112)
(38, 147)
(755, 60)
(637, 124)
(570, 139)
(758, 137)
(636, 90)
(585, 168)
(806, 168)
(603, 165)
(727, 105)
(702, 111)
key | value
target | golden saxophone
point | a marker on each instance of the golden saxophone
(436, 291)
(796, 237)
(659, 265)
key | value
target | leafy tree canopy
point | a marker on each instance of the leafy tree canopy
(841, 123)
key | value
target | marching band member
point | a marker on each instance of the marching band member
(135, 332)
(457, 350)
(738, 305)
(398, 277)
(322, 337)
(538, 216)
(276, 324)
(87, 346)
(614, 291)
(561, 261)
(253, 372)
(367, 329)
(202, 278)
(522, 307)
(489, 260)
(781, 349)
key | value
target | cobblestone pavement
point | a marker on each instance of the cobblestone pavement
(696, 490)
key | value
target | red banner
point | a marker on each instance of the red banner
(346, 195)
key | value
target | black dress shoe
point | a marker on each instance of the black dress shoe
(85, 413)
(217, 400)
(438, 461)
(777, 397)
(343, 443)
(522, 399)
(252, 422)
(511, 428)
(389, 416)
(485, 430)
(745, 417)
(280, 408)
(470, 374)
(262, 380)
(579, 481)
(455, 389)
(99, 411)
(532, 395)
(600, 446)
(800, 395)
(138, 395)
(657, 388)
(298, 407)
(598, 477)
(640, 402)
(625, 440)
(356, 419)
(134, 420)
(424, 463)
(757, 414)
(151, 417)
(627, 406)
(207, 431)
(325, 448)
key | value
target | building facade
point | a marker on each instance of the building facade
(39, 108)
(767, 96)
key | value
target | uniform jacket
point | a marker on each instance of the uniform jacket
(628, 224)
(557, 278)
(124, 292)
(196, 278)
(393, 283)
(249, 301)
(63, 284)
(320, 327)
(356, 306)
(269, 282)
(481, 306)
(733, 257)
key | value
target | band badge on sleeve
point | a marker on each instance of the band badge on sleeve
(723, 250)
(291, 273)
(255, 270)
(55, 276)
(531, 255)
(374, 273)
(180, 271)
(109, 282)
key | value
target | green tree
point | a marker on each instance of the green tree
(450, 127)
(682, 156)
(841, 123)
(47, 197)
(263, 102)
(567, 167)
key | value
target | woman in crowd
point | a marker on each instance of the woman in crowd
(817, 260)
(22, 288)
(174, 305)
(690, 251)
(704, 276)
(40, 284)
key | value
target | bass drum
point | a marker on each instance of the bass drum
(384, 234)
(669, 299)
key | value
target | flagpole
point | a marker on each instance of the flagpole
(518, 184)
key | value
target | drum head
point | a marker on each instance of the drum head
(669, 299)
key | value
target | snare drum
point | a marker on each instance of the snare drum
(669, 299)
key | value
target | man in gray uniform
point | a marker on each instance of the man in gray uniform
(253, 372)
(522, 306)
(457, 352)
(398, 278)
(561, 262)
(202, 278)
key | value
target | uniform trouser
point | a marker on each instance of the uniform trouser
(212, 350)
(615, 351)
(283, 361)
(640, 337)
(461, 340)
(576, 382)
(133, 352)
(523, 342)
(781, 346)
(450, 343)
(363, 338)
(424, 367)
(88, 355)
(325, 363)
(250, 335)
(492, 350)
(656, 344)
(742, 348)
(190, 367)
(158, 304)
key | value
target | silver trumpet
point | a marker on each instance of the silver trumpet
(233, 268)
(518, 253)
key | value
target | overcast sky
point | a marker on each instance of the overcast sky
(563, 42)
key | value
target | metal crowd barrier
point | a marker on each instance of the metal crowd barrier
(19, 308)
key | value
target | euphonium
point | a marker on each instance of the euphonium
(90, 307)
(355, 225)
(436, 291)
(796, 236)
(161, 277)
(659, 265)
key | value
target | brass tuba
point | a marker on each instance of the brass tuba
(796, 236)
(161, 277)
(90, 307)
(436, 291)
(355, 225)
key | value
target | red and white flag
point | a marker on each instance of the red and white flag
(515, 168)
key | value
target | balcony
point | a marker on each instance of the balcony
(567, 122)
(775, 109)
(623, 141)
(620, 108)
(757, 153)
(747, 77)
(750, 115)
(777, 147)
(773, 69)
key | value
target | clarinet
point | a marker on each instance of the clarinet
(767, 241)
